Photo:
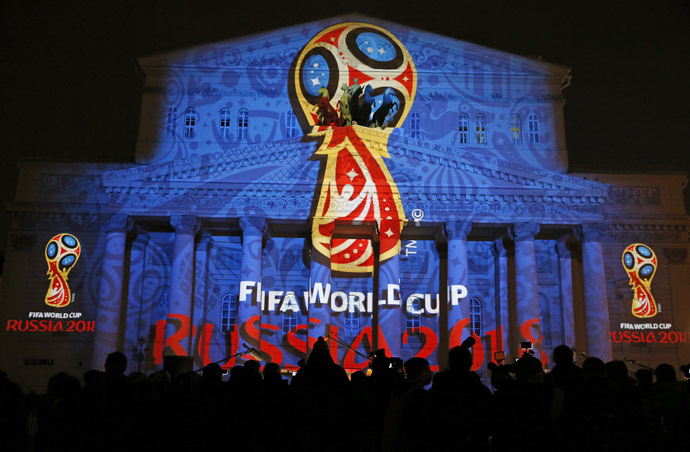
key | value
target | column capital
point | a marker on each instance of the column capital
(591, 232)
(206, 240)
(498, 249)
(675, 255)
(253, 225)
(119, 222)
(562, 249)
(184, 224)
(457, 230)
(524, 231)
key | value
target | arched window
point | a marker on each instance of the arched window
(224, 121)
(290, 124)
(516, 129)
(464, 128)
(171, 122)
(190, 117)
(228, 312)
(480, 128)
(416, 126)
(242, 124)
(533, 129)
(414, 318)
(352, 322)
(476, 316)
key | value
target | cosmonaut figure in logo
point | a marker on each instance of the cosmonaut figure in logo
(62, 252)
(640, 263)
(370, 78)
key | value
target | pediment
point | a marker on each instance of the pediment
(416, 166)
(431, 52)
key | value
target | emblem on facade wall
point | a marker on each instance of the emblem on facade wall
(640, 263)
(62, 253)
(350, 79)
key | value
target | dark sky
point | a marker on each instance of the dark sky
(70, 90)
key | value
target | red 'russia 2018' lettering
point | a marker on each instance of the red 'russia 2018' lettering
(660, 337)
(41, 326)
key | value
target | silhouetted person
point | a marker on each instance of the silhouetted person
(406, 421)
(320, 393)
(460, 404)
(13, 435)
(273, 380)
(520, 410)
(116, 364)
(61, 417)
(671, 408)
(252, 375)
(565, 374)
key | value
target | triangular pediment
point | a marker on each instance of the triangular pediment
(415, 165)
(430, 52)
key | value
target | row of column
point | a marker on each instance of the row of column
(186, 296)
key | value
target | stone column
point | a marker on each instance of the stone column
(319, 293)
(596, 302)
(458, 280)
(107, 335)
(179, 332)
(249, 302)
(390, 315)
(565, 278)
(136, 326)
(501, 290)
(526, 287)
(203, 250)
(201, 284)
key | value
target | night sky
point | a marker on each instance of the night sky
(70, 90)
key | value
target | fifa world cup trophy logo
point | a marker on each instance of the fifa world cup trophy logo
(62, 252)
(640, 263)
(355, 82)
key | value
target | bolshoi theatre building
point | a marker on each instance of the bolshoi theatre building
(382, 187)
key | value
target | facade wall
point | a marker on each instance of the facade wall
(174, 248)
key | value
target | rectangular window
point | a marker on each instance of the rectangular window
(480, 129)
(464, 128)
(515, 129)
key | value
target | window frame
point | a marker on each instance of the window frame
(516, 128)
(190, 120)
(228, 312)
(464, 128)
(480, 133)
(414, 321)
(171, 122)
(475, 305)
(416, 126)
(242, 124)
(533, 128)
(224, 123)
(290, 124)
(289, 321)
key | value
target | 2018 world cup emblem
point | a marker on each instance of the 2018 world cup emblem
(640, 263)
(62, 253)
(352, 82)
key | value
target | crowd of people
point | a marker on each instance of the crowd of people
(597, 407)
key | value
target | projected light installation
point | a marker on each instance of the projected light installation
(640, 263)
(378, 80)
(62, 253)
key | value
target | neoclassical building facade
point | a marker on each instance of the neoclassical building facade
(379, 186)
